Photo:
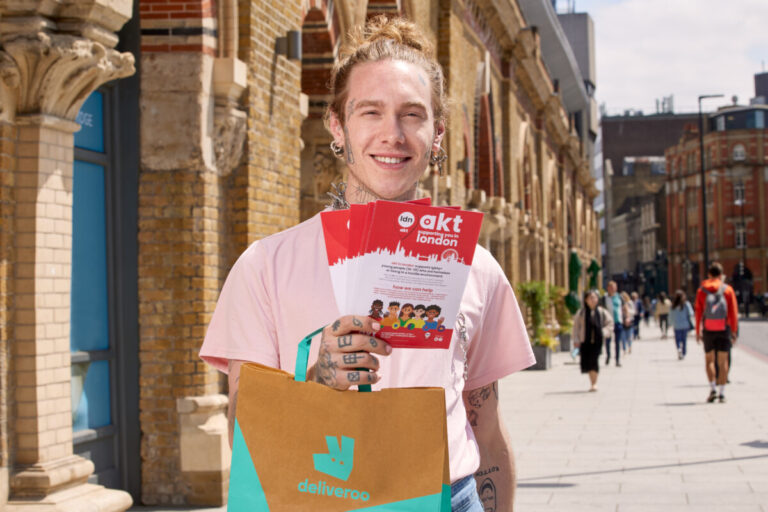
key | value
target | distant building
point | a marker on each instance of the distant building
(635, 172)
(736, 169)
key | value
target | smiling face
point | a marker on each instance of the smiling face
(389, 130)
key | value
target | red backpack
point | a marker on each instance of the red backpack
(715, 310)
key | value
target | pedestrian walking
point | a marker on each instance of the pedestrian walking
(717, 324)
(628, 314)
(613, 306)
(591, 325)
(386, 114)
(647, 310)
(682, 320)
(663, 306)
(639, 310)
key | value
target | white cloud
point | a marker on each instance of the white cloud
(646, 49)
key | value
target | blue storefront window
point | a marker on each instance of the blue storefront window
(91, 120)
(89, 322)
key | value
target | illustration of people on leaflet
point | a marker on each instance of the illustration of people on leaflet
(376, 307)
(390, 317)
(408, 316)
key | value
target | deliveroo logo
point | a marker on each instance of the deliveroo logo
(338, 461)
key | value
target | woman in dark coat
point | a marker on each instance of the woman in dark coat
(591, 325)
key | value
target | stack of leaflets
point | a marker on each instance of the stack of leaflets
(403, 264)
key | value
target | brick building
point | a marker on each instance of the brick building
(736, 169)
(144, 145)
(633, 148)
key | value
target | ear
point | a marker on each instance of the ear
(439, 134)
(337, 130)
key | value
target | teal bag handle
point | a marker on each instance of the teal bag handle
(302, 360)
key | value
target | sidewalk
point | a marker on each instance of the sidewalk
(646, 441)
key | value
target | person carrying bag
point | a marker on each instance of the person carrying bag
(303, 446)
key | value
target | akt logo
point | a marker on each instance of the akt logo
(338, 461)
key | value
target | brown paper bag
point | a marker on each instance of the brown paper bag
(301, 446)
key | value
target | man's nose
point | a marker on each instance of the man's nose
(392, 130)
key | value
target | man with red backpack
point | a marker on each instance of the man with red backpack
(717, 324)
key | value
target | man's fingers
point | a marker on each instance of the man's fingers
(355, 360)
(356, 378)
(359, 343)
(354, 324)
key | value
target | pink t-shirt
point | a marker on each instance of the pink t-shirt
(279, 290)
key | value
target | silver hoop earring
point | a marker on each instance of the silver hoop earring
(438, 159)
(337, 150)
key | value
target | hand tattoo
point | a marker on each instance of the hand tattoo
(345, 341)
(336, 325)
(356, 322)
(350, 358)
(325, 368)
(373, 342)
(353, 376)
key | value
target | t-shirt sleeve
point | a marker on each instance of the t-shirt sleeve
(242, 325)
(500, 346)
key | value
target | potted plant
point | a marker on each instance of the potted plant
(536, 298)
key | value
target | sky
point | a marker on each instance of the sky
(648, 49)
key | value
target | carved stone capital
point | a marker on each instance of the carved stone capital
(9, 84)
(57, 73)
(230, 126)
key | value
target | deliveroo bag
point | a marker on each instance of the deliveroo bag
(301, 446)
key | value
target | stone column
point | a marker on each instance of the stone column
(44, 79)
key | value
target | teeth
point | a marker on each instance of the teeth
(388, 160)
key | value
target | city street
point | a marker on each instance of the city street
(754, 335)
(646, 441)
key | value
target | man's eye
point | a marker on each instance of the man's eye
(370, 112)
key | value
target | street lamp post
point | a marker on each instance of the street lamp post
(704, 180)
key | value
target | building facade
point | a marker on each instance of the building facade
(633, 148)
(144, 145)
(736, 170)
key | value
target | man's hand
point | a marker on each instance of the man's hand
(346, 353)
(698, 338)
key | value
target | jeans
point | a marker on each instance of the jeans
(618, 336)
(681, 337)
(626, 337)
(464, 496)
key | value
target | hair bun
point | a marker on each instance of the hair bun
(382, 29)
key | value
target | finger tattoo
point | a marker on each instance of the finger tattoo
(350, 358)
(373, 342)
(344, 341)
(356, 322)
(336, 325)
(353, 376)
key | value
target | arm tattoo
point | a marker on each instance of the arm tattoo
(356, 322)
(350, 358)
(345, 341)
(477, 397)
(472, 417)
(487, 492)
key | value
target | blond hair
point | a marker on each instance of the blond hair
(385, 38)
